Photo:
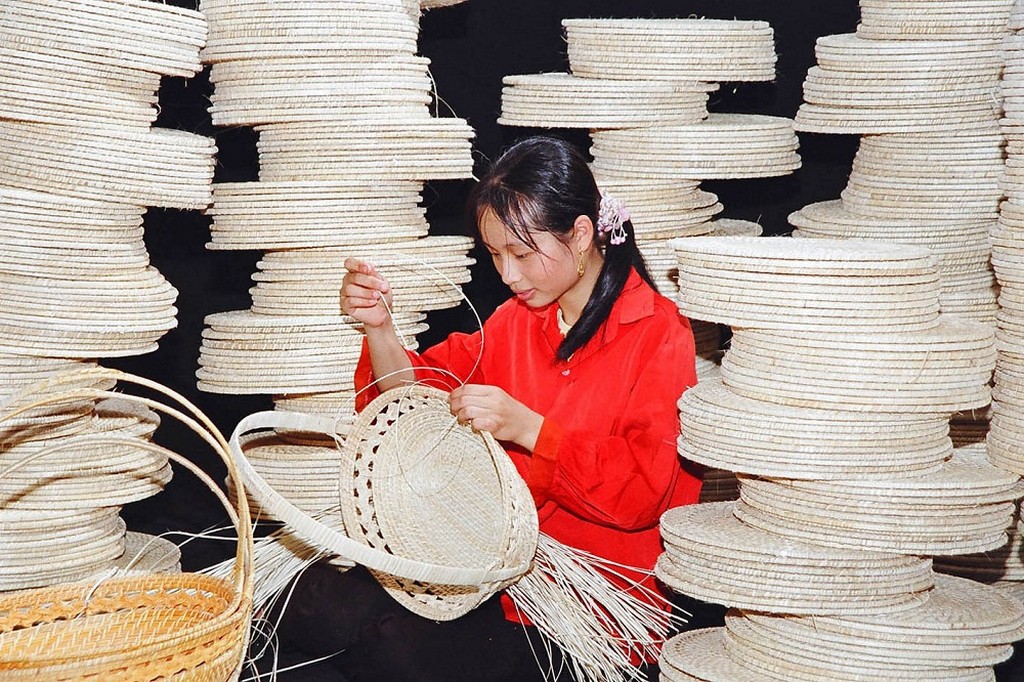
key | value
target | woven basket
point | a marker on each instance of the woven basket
(182, 627)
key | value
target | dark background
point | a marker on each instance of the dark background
(471, 47)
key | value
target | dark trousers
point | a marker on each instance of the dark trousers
(370, 636)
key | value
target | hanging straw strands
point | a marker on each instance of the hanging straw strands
(569, 598)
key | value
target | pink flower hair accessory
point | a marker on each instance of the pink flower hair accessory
(610, 217)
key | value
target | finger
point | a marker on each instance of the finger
(359, 301)
(369, 282)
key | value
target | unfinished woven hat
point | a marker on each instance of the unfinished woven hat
(721, 146)
(243, 352)
(305, 214)
(442, 569)
(713, 556)
(257, 29)
(405, 149)
(561, 100)
(766, 283)
(942, 370)
(720, 428)
(418, 484)
(165, 39)
(47, 547)
(712, 50)
(910, 515)
(290, 89)
(155, 167)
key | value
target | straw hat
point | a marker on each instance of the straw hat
(290, 89)
(299, 214)
(560, 100)
(962, 508)
(47, 547)
(421, 485)
(781, 643)
(720, 428)
(713, 556)
(767, 283)
(32, 89)
(425, 274)
(257, 29)
(166, 39)
(243, 352)
(1003, 564)
(662, 209)
(146, 554)
(307, 475)
(406, 149)
(945, 369)
(155, 167)
(671, 49)
(722, 146)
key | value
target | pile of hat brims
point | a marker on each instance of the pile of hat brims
(1004, 567)
(79, 164)
(920, 82)
(342, 105)
(849, 483)
(641, 86)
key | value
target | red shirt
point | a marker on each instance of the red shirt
(605, 466)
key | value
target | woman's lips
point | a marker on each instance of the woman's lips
(525, 296)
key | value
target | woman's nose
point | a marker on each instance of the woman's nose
(508, 271)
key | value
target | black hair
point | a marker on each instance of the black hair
(544, 184)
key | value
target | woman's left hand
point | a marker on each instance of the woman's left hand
(489, 408)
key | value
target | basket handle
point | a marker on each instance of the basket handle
(323, 536)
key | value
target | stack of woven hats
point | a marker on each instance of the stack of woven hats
(1005, 567)
(920, 82)
(79, 164)
(833, 406)
(346, 140)
(641, 87)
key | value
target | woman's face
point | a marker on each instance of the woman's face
(538, 275)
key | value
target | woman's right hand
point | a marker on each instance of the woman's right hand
(363, 294)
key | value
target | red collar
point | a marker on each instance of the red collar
(634, 303)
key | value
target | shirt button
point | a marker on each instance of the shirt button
(565, 372)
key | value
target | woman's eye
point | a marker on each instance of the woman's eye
(521, 256)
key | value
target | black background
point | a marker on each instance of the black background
(471, 47)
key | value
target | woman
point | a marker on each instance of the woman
(577, 374)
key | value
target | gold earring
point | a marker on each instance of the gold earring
(581, 266)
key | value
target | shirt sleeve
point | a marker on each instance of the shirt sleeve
(444, 366)
(625, 480)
